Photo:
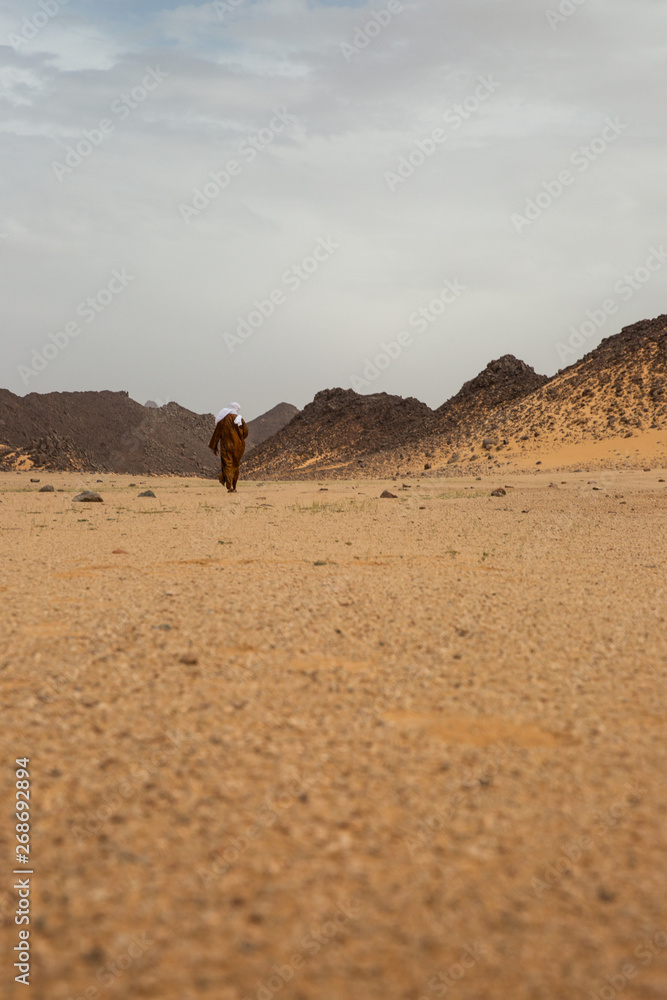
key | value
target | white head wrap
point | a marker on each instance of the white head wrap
(232, 408)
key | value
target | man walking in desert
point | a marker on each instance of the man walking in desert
(229, 436)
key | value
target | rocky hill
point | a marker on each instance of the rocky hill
(500, 383)
(269, 423)
(338, 434)
(506, 415)
(103, 432)
(109, 432)
(615, 391)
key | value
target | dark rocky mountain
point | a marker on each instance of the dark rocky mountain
(269, 423)
(501, 382)
(616, 390)
(501, 414)
(337, 433)
(109, 432)
(104, 431)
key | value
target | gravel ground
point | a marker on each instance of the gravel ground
(308, 743)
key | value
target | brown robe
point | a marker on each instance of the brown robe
(230, 439)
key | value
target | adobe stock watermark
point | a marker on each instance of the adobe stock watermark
(31, 26)
(111, 971)
(625, 288)
(455, 116)
(364, 35)
(228, 7)
(382, 703)
(312, 943)
(439, 818)
(440, 984)
(420, 320)
(572, 853)
(292, 279)
(248, 149)
(581, 159)
(566, 9)
(129, 786)
(266, 816)
(88, 310)
(650, 948)
(122, 107)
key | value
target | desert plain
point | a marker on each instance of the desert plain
(304, 742)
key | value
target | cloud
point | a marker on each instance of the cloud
(356, 118)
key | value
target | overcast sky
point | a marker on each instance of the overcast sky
(115, 112)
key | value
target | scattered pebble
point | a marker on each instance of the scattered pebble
(147, 493)
(386, 495)
(47, 489)
(500, 492)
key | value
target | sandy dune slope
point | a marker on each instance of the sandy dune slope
(306, 743)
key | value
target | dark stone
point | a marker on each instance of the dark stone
(386, 495)
(147, 493)
(47, 489)
(87, 497)
(500, 492)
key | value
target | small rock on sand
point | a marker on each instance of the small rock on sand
(88, 496)
(386, 495)
(147, 493)
(47, 489)
(500, 492)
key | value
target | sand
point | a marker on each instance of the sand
(307, 743)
